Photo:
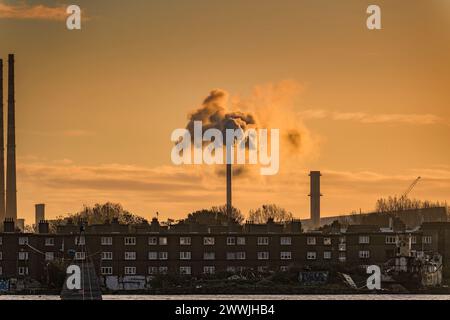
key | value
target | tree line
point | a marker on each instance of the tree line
(106, 212)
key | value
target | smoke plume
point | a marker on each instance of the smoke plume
(213, 114)
(269, 107)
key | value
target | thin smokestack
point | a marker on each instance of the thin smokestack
(11, 196)
(315, 197)
(39, 213)
(229, 204)
(2, 151)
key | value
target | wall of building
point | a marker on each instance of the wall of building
(342, 247)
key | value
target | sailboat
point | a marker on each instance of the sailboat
(87, 287)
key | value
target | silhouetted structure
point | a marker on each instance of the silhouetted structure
(315, 197)
(39, 212)
(229, 203)
(2, 150)
(11, 200)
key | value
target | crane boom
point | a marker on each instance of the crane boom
(405, 194)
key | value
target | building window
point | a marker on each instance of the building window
(240, 241)
(106, 271)
(152, 241)
(152, 270)
(311, 255)
(49, 256)
(208, 241)
(231, 241)
(130, 270)
(240, 255)
(427, 239)
(209, 269)
(163, 241)
(23, 271)
(263, 241)
(130, 241)
(231, 269)
(413, 239)
(49, 242)
(342, 247)
(130, 255)
(364, 239)
(106, 241)
(185, 255)
(391, 239)
(263, 255)
(163, 269)
(23, 255)
(185, 270)
(285, 241)
(231, 255)
(285, 255)
(107, 255)
(364, 254)
(152, 255)
(311, 241)
(1, 270)
(342, 257)
(327, 255)
(80, 255)
(1, 241)
(262, 269)
(327, 241)
(284, 268)
(23, 241)
(185, 241)
(1, 255)
(80, 241)
(163, 255)
(209, 256)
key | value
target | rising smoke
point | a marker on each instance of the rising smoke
(270, 107)
(213, 114)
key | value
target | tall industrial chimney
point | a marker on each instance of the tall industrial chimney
(2, 151)
(229, 204)
(315, 197)
(11, 196)
(39, 213)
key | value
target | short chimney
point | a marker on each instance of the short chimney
(43, 227)
(155, 226)
(9, 225)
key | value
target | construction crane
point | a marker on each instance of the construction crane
(405, 194)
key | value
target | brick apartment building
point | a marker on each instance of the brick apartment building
(149, 249)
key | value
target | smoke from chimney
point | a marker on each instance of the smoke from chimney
(214, 115)
(269, 107)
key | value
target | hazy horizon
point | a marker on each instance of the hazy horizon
(95, 108)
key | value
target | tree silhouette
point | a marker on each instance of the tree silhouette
(102, 213)
(269, 211)
(215, 215)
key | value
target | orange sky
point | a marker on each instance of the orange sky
(95, 108)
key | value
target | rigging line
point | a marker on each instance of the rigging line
(33, 248)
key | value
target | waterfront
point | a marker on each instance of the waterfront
(247, 297)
